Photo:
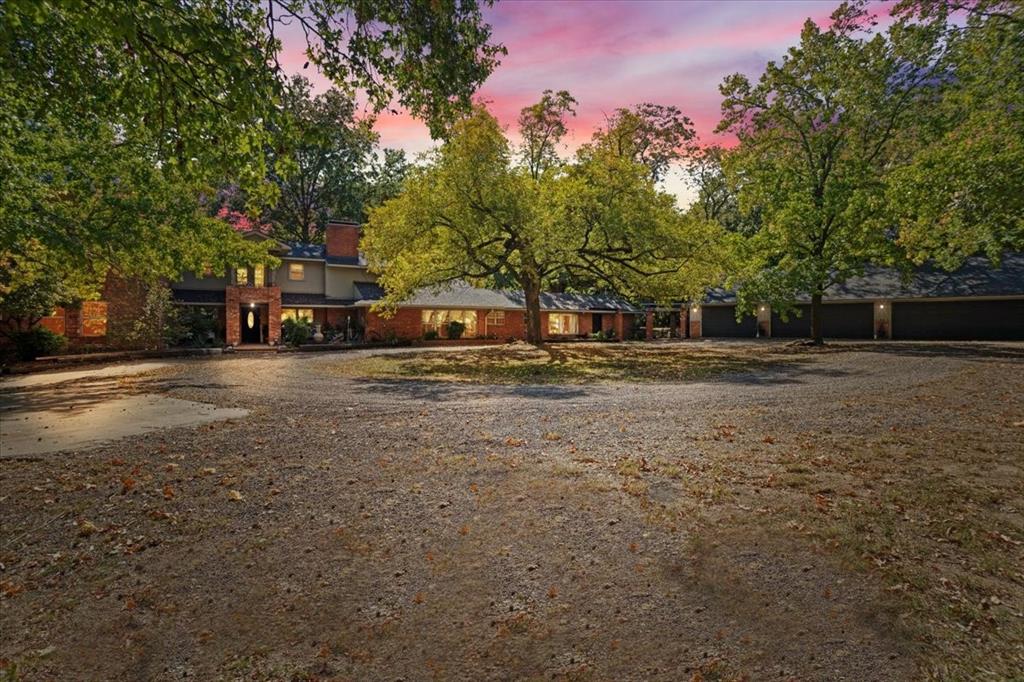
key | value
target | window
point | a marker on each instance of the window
(296, 314)
(563, 324)
(496, 318)
(437, 320)
(296, 272)
(257, 275)
(241, 276)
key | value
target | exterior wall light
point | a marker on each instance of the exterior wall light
(762, 309)
(881, 306)
(252, 305)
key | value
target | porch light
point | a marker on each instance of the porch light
(881, 306)
(762, 309)
(252, 305)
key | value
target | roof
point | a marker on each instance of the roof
(977, 278)
(462, 295)
(299, 299)
(309, 251)
(199, 296)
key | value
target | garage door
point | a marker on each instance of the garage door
(838, 320)
(794, 327)
(959, 320)
(721, 321)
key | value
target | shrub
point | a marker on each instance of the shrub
(430, 335)
(37, 342)
(199, 327)
(296, 332)
(455, 329)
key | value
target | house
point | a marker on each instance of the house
(330, 285)
(978, 301)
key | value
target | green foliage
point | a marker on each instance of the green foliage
(37, 342)
(817, 135)
(430, 335)
(296, 332)
(199, 327)
(959, 191)
(476, 212)
(652, 135)
(31, 287)
(155, 324)
(116, 118)
(455, 329)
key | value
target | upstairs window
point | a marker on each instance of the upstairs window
(241, 276)
(257, 275)
(296, 272)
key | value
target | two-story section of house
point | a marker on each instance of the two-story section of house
(329, 284)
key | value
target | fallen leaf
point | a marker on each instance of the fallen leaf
(168, 492)
(418, 599)
(87, 528)
(235, 496)
(127, 483)
(552, 592)
(551, 435)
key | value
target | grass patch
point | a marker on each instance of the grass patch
(562, 364)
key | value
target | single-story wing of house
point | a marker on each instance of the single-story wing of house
(977, 301)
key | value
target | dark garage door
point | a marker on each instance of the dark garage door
(839, 321)
(959, 320)
(721, 321)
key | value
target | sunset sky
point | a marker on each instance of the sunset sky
(619, 53)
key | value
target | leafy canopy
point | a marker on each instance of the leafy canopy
(479, 211)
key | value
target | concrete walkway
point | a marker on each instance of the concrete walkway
(51, 412)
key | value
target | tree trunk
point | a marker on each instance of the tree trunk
(531, 290)
(817, 334)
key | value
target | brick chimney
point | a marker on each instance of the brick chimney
(342, 239)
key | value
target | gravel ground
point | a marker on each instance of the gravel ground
(389, 529)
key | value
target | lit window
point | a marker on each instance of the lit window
(437, 320)
(563, 324)
(296, 271)
(257, 275)
(94, 318)
(242, 276)
(297, 314)
(496, 318)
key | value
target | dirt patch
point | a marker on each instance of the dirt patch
(824, 519)
(575, 363)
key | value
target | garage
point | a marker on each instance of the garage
(839, 321)
(721, 321)
(959, 320)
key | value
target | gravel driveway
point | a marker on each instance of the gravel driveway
(370, 529)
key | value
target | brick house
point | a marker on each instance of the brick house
(330, 285)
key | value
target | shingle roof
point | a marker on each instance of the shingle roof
(199, 296)
(461, 295)
(976, 278)
(300, 250)
(299, 299)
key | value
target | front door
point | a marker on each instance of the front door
(252, 328)
(595, 322)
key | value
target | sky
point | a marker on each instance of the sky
(617, 53)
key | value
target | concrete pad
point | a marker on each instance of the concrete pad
(49, 378)
(41, 429)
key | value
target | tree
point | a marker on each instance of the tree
(542, 126)
(717, 197)
(653, 135)
(322, 172)
(959, 191)
(478, 211)
(116, 116)
(817, 134)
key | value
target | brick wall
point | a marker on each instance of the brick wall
(407, 324)
(235, 297)
(342, 239)
(513, 327)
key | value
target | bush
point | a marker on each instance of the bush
(430, 335)
(455, 329)
(199, 327)
(37, 342)
(296, 332)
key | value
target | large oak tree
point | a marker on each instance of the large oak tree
(482, 211)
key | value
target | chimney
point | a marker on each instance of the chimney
(342, 237)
